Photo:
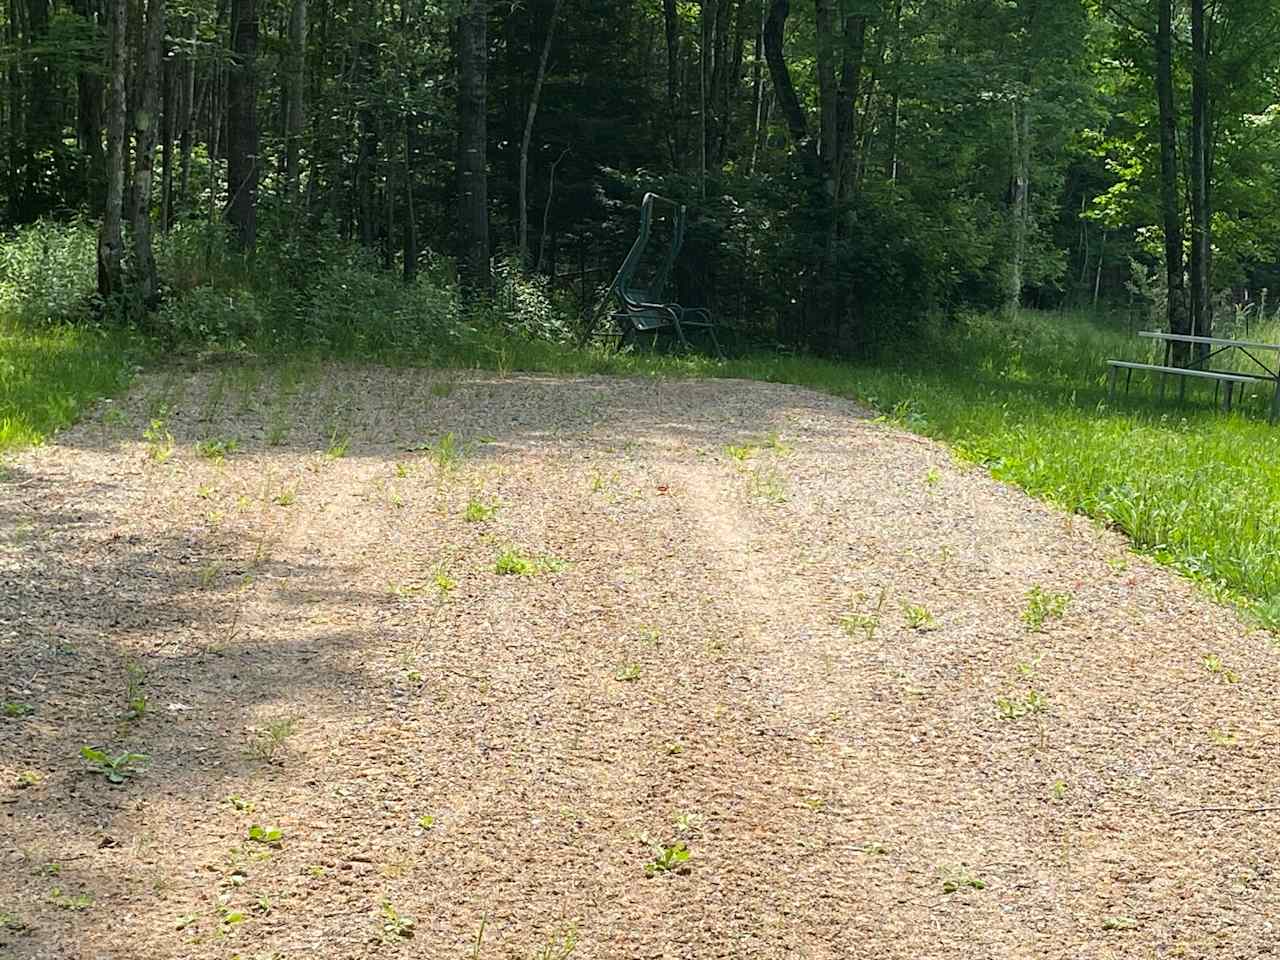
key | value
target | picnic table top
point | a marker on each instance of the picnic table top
(1187, 338)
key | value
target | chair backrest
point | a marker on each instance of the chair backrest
(623, 284)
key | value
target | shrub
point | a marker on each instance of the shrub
(48, 272)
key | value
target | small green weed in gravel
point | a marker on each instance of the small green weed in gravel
(217, 450)
(627, 673)
(1119, 923)
(1011, 708)
(478, 511)
(285, 498)
(767, 484)
(269, 741)
(117, 769)
(447, 453)
(395, 925)
(668, 858)
(339, 444)
(919, 617)
(513, 562)
(159, 440)
(79, 901)
(134, 695)
(1218, 670)
(864, 623)
(961, 878)
(1042, 606)
(16, 709)
(268, 836)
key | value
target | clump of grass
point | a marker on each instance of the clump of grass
(766, 483)
(512, 561)
(267, 743)
(865, 623)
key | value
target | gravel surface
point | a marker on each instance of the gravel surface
(752, 625)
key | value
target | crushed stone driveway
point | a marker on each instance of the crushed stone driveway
(887, 706)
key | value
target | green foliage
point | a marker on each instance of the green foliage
(478, 511)
(16, 709)
(396, 926)
(668, 858)
(269, 836)
(116, 769)
(48, 273)
(1042, 606)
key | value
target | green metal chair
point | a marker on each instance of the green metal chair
(644, 310)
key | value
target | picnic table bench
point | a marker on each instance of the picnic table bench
(1226, 379)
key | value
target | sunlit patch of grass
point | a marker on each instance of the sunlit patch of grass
(48, 376)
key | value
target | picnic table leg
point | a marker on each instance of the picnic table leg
(1275, 403)
(1228, 389)
(1164, 377)
(1111, 385)
(1128, 380)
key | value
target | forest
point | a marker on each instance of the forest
(852, 166)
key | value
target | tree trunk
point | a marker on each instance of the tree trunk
(1170, 205)
(774, 29)
(168, 74)
(828, 105)
(672, 25)
(855, 44)
(473, 188)
(110, 236)
(704, 65)
(295, 112)
(242, 125)
(146, 128)
(528, 133)
(1019, 189)
(188, 112)
(1201, 177)
(89, 90)
(410, 217)
(757, 93)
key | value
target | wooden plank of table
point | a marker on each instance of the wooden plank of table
(1217, 341)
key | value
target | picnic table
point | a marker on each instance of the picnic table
(1199, 367)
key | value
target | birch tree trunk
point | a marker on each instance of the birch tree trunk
(532, 115)
(146, 130)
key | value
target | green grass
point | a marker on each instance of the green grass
(48, 375)
(1026, 398)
